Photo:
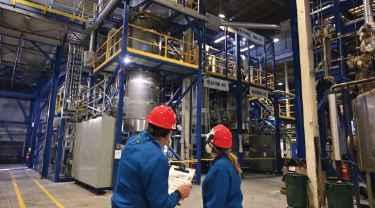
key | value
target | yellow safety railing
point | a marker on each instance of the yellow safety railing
(270, 112)
(58, 106)
(192, 5)
(112, 47)
(217, 66)
(75, 10)
(285, 112)
(259, 78)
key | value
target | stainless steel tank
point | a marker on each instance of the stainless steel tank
(141, 96)
(231, 111)
(149, 22)
(364, 115)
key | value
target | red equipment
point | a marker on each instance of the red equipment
(345, 172)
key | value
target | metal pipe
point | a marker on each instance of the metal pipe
(284, 93)
(103, 15)
(92, 37)
(334, 127)
(367, 7)
(251, 25)
(351, 83)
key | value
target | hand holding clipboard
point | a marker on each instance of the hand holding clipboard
(180, 178)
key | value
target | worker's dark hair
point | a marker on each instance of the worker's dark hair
(231, 157)
(157, 130)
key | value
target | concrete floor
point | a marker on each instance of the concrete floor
(259, 190)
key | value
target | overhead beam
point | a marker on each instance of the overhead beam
(29, 36)
(18, 94)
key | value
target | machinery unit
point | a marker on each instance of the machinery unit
(260, 147)
(231, 112)
(364, 109)
(93, 152)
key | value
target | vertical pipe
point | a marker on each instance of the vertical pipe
(315, 192)
(369, 190)
(36, 122)
(199, 111)
(121, 92)
(300, 137)
(322, 124)
(333, 117)
(367, 7)
(52, 105)
(60, 138)
(238, 96)
(92, 40)
(277, 133)
(265, 63)
(226, 52)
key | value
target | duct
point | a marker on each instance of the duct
(367, 7)
(251, 25)
(351, 83)
(171, 5)
(94, 24)
(334, 127)
(284, 93)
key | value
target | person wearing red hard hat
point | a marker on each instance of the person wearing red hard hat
(144, 170)
(221, 187)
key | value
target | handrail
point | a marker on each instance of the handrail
(108, 49)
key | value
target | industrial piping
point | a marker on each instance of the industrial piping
(351, 83)
(334, 127)
(367, 7)
(102, 15)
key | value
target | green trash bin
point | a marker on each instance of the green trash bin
(296, 189)
(339, 195)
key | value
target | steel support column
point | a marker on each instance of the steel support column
(238, 96)
(60, 138)
(121, 92)
(52, 106)
(29, 129)
(315, 193)
(36, 122)
(279, 168)
(300, 136)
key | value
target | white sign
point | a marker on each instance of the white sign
(257, 92)
(214, 83)
(117, 154)
(256, 38)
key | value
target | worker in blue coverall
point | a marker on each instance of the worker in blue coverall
(143, 173)
(222, 186)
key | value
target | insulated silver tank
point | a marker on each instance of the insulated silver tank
(151, 23)
(231, 112)
(141, 96)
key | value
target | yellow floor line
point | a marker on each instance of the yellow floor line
(45, 191)
(19, 197)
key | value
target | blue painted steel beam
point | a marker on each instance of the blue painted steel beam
(300, 133)
(28, 131)
(184, 93)
(23, 109)
(121, 92)
(18, 94)
(52, 105)
(47, 87)
(175, 94)
(11, 139)
(279, 167)
(13, 122)
(191, 24)
(36, 122)
(41, 50)
(324, 98)
(43, 106)
(113, 77)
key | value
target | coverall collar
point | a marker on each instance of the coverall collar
(218, 158)
(149, 137)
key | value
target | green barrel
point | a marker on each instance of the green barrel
(296, 189)
(339, 195)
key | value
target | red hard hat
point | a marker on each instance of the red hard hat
(162, 116)
(222, 137)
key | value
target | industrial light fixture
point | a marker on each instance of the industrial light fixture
(127, 60)
(275, 40)
(220, 39)
(245, 49)
(222, 15)
(244, 39)
(280, 83)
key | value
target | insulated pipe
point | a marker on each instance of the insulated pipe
(103, 15)
(367, 7)
(92, 37)
(334, 127)
(251, 25)
(351, 83)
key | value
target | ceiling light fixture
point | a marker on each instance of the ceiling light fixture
(127, 60)
(275, 40)
(221, 15)
(245, 49)
(220, 39)
(280, 83)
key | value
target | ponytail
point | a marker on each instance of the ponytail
(234, 161)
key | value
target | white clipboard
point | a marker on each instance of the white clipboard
(178, 177)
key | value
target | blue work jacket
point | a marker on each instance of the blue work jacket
(142, 179)
(222, 186)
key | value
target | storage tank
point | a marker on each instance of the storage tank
(142, 86)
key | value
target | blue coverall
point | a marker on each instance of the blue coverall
(222, 186)
(143, 173)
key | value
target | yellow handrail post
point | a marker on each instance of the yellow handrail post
(166, 46)
(45, 8)
(83, 11)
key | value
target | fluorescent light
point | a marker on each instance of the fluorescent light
(244, 39)
(127, 60)
(245, 49)
(275, 40)
(222, 15)
(280, 83)
(220, 39)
